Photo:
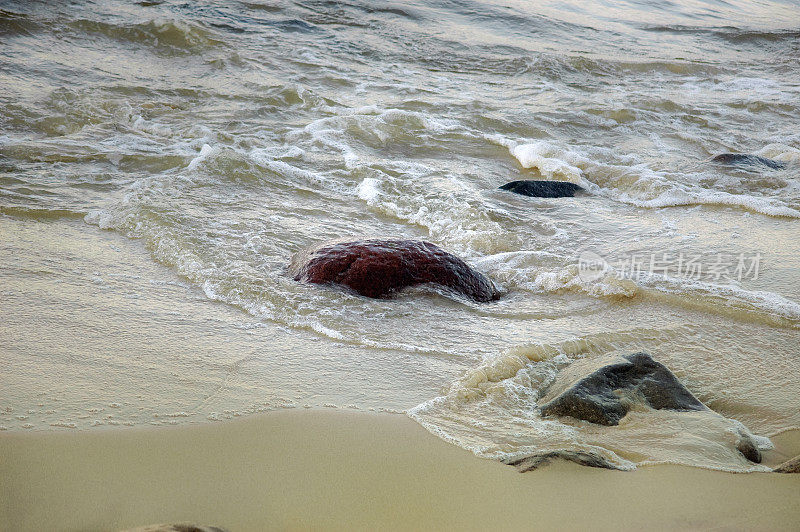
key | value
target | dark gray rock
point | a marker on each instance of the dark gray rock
(602, 390)
(748, 448)
(529, 463)
(790, 466)
(543, 189)
(748, 160)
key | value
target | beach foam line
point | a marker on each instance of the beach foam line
(636, 184)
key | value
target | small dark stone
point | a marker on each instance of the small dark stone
(790, 466)
(748, 448)
(181, 527)
(602, 390)
(529, 463)
(747, 159)
(380, 268)
(543, 189)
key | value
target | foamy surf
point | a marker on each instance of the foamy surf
(492, 411)
(636, 184)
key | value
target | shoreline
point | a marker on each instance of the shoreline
(591, 215)
(317, 469)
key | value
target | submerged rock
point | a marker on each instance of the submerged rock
(748, 448)
(603, 390)
(543, 189)
(176, 528)
(529, 463)
(747, 159)
(380, 268)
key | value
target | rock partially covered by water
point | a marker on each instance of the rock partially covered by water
(748, 159)
(748, 448)
(604, 389)
(790, 466)
(529, 463)
(183, 527)
(380, 268)
(543, 189)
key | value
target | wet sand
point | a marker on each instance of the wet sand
(334, 469)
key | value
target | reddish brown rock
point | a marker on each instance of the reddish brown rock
(380, 268)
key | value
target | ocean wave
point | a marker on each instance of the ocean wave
(451, 209)
(289, 95)
(236, 263)
(455, 218)
(549, 272)
(481, 380)
(721, 297)
(13, 24)
(41, 214)
(729, 33)
(558, 67)
(545, 272)
(687, 196)
(635, 184)
(165, 35)
(372, 127)
(780, 152)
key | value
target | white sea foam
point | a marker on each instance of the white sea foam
(727, 295)
(152, 128)
(454, 216)
(540, 271)
(636, 184)
(548, 272)
(681, 195)
(297, 174)
(551, 161)
(206, 152)
(493, 411)
(369, 190)
(780, 152)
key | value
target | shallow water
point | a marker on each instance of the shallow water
(227, 136)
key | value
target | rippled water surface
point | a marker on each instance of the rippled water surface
(226, 136)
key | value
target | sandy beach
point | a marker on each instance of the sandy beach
(299, 470)
(292, 468)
